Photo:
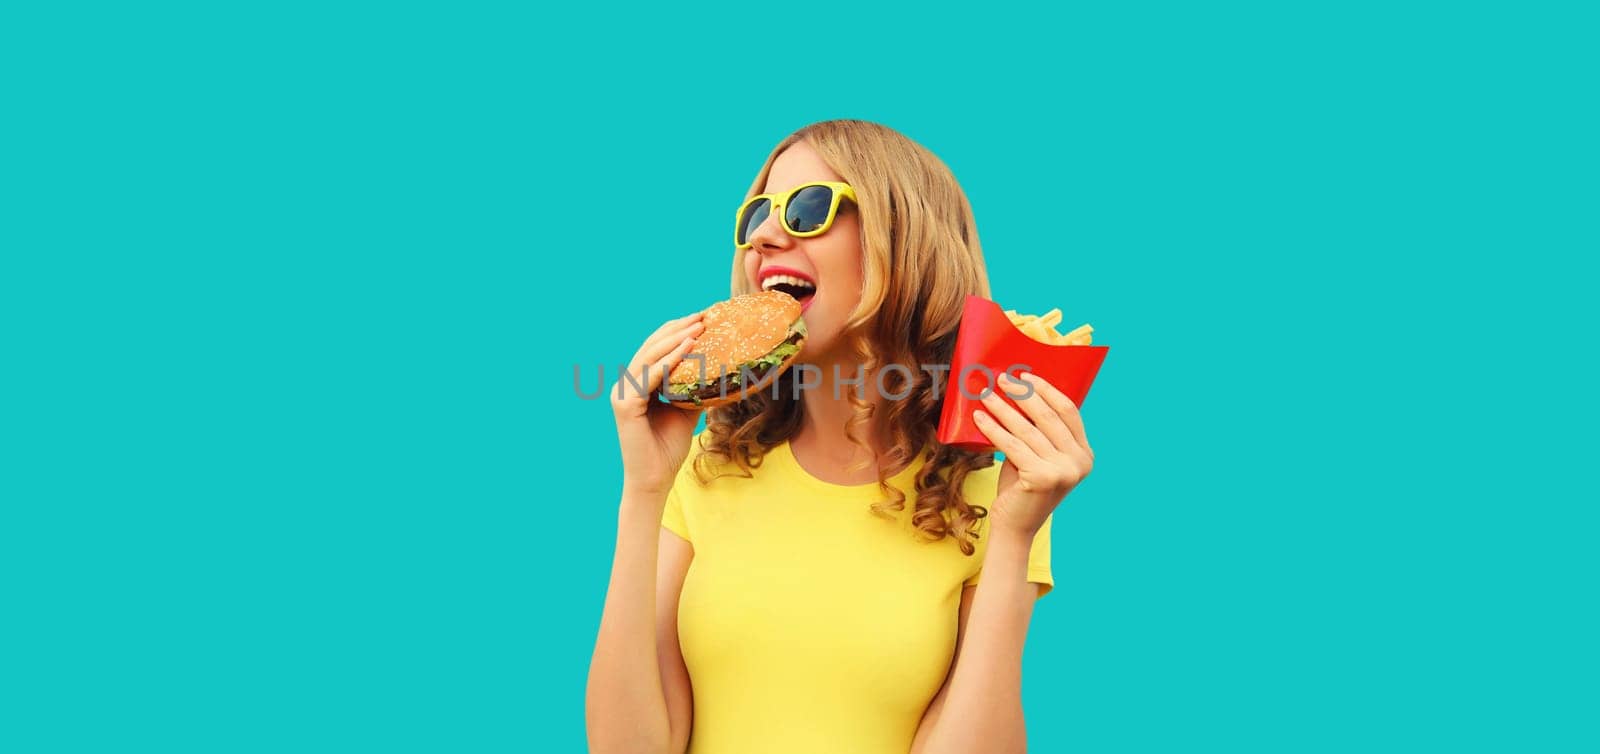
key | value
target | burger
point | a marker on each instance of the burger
(747, 343)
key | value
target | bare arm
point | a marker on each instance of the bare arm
(985, 684)
(930, 717)
(676, 555)
(638, 698)
(1047, 454)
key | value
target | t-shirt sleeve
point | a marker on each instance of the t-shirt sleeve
(1038, 561)
(673, 516)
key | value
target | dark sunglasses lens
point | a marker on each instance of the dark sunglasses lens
(752, 218)
(808, 210)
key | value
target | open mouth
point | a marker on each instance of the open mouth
(798, 287)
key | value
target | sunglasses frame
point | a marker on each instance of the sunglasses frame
(840, 192)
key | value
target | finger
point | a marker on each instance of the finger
(674, 323)
(645, 378)
(1017, 452)
(1064, 407)
(1043, 414)
(667, 362)
(637, 377)
(1018, 425)
(663, 343)
(668, 329)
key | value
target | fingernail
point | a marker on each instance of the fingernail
(980, 416)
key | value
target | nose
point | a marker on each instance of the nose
(770, 237)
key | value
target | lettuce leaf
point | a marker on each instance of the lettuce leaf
(775, 357)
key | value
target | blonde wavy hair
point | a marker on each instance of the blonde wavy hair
(921, 260)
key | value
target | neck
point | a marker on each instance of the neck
(826, 409)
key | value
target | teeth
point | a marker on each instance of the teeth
(773, 280)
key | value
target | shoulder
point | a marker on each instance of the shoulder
(689, 474)
(980, 486)
(697, 448)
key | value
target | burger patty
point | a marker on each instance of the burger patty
(714, 389)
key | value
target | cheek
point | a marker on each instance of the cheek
(752, 265)
(843, 271)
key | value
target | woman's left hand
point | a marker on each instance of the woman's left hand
(1047, 451)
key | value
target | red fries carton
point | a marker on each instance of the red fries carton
(988, 345)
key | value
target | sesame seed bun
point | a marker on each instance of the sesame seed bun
(744, 331)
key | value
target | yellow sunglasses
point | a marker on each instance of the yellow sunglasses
(804, 211)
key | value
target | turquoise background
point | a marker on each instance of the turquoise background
(292, 296)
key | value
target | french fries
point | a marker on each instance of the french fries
(1043, 328)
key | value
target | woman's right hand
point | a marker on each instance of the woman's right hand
(654, 435)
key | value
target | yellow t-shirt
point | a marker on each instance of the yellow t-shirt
(809, 624)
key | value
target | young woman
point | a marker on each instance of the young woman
(804, 574)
